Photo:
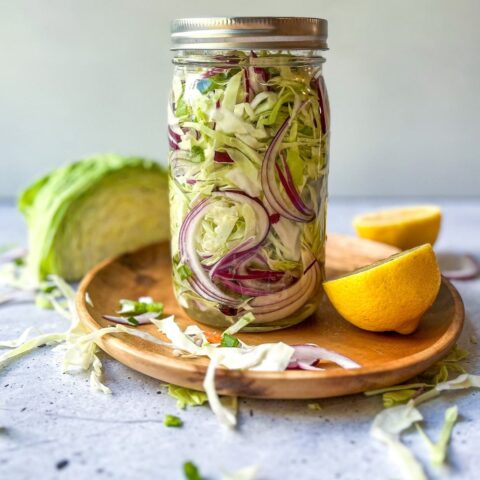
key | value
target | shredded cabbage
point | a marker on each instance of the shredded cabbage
(28, 345)
(461, 382)
(186, 397)
(391, 422)
(96, 376)
(438, 450)
(387, 428)
(226, 417)
(437, 373)
(17, 341)
(222, 123)
(391, 399)
(242, 322)
(264, 357)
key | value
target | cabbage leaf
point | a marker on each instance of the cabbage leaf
(87, 211)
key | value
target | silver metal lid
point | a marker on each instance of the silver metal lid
(226, 33)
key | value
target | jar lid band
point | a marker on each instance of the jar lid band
(227, 33)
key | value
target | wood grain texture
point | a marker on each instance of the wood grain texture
(386, 358)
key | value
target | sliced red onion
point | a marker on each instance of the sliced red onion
(241, 252)
(310, 266)
(305, 366)
(228, 311)
(279, 305)
(222, 157)
(247, 247)
(240, 278)
(173, 138)
(272, 194)
(291, 190)
(274, 218)
(246, 85)
(142, 319)
(270, 287)
(255, 79)
(458, 267)
(242, 289)
(270, 275)
(292, 299)
(201, 280)
(308, 354)
(323, 102)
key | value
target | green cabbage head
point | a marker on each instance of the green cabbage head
(92, 209)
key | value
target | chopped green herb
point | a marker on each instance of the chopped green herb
(229, 341)
(19, 262)
(184, 271)
(47, 287)
(172, 421)
(132, 320)
(191, 472)
(186, 396)
(440, 371)
(197, 154)
(131, 308)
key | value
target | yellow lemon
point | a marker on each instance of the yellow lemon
(392, 294)
(405, 227)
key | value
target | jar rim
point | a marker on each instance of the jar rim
(230, 33)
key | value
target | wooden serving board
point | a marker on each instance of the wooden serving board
(386, 358)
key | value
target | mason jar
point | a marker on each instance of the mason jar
(248, 132)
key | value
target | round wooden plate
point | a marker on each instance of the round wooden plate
(386, 358)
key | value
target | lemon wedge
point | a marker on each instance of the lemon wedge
(389, 295)
(405, 227)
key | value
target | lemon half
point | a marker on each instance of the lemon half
(392, 294)
(405, 227)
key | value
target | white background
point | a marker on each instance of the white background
(78, 77)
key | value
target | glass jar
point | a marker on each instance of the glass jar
(248, 131)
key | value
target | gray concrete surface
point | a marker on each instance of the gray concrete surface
(56, 428)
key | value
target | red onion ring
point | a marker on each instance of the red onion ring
(278, 305)
(323, 102)
(306, 355)
(173, 139)
(142, 319)
(272, 194)
(201, 281)
(458, 267)
(291, 190)
(248, 247)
